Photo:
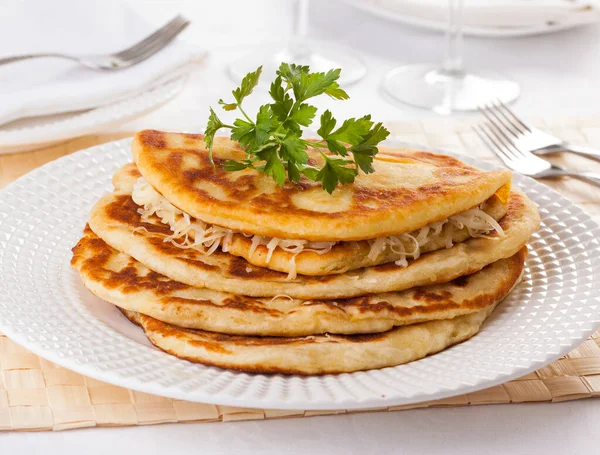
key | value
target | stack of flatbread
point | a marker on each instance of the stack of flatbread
(229, 269)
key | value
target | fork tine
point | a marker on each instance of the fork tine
(150, 39)
(504, 142)
(159, 44)
(513, 115)
(140, 45)
(485, 139)
(151, 42)
(148, 42)
(507, 141)
(491, 144)
(497, 148)
(489, 111)
(500, 127)
(510, 119)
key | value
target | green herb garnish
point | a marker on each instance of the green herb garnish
(273, 140)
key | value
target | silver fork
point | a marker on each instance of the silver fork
(529, 138)
(123, 59)
(501, 143)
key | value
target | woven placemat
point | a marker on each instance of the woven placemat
(38, 395)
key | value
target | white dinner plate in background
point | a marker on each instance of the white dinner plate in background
(424, 15)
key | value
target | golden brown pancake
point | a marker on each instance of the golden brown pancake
(115, 218)
(408, 190)
(320, 354)
(125, 282)
(342, 257)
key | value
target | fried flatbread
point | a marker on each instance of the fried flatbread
(320, 354)
(408, 190)
(343, 256)
(115, 220)
(125, 282)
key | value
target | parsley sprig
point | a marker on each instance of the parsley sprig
(273, 139)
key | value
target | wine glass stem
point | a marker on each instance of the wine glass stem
(453, 63)
(298, 47)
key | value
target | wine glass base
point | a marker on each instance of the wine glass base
(428, 87)
(318, 56)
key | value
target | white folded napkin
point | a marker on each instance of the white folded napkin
(500, 13)
(50, 86)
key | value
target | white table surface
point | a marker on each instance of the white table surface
(558, 74)
(559, 428)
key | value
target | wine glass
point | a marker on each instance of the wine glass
(300, 50)
(449, 88)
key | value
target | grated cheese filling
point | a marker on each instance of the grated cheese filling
(188, 232)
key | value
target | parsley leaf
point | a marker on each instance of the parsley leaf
(249, 81)
(335, 170)
(294, 149)
(212, 126)
(228, 106)
(264, 124)
(303, 114)
(336, 92)
(273, 140)
(273, 165)
(243, 132)
(252, 135)
(232, 165)
(327, 124)
(310, 172)
(365, 152)
(290, 72)
(352, 130)
(283, 101)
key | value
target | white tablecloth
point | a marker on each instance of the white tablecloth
(559, 75)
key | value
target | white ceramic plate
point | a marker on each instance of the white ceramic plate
(32, 133)
(44, 307)
(576, 19)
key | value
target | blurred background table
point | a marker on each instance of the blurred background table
(558, 74)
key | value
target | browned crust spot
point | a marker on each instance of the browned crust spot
(461, 281)
(516, 205)
(153, 138)
(128, 279)
(123, 210)
(436, 301)
(235, 302)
